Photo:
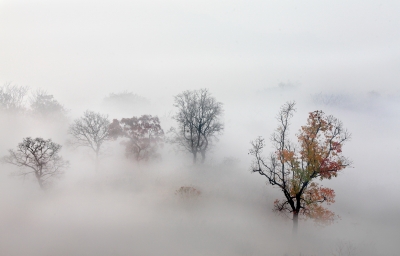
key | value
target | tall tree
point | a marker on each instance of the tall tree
(294, 169)
(145, 136)
(199, 120)
(38, 156)
(92, 131)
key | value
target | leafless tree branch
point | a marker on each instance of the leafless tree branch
(199, 122)
(39, 155)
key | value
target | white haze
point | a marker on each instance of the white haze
(341, 57)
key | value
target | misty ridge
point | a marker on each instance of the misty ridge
(142, 186)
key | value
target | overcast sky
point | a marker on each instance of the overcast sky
(75, 49)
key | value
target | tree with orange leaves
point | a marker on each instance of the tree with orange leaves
(294, 169)
(145, 136)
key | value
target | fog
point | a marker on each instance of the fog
(339, 57)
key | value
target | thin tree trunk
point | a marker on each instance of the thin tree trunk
(295, 222)
(96, 167)
(41, 185)
(39, 181)
(194, 157)
(203, 156)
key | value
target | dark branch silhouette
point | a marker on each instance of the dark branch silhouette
(37, 156)
(199, 122)
(294, 169)
(92, 131)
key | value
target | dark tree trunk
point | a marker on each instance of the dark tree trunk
(194, 157)
(41, 184)
(39, 181)
(203, 156)
(295, 222)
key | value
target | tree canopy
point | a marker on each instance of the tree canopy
(45, 105)
(145, 136)
(91, 130)
(12, 98)
(199, 122)
(39, 157)
(295, 169)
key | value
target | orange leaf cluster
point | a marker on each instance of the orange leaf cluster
(319, 156)
(294, 168)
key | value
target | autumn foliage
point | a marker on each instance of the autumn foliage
(144, 136)
(295, 169)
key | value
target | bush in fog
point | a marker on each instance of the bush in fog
(91, 130)
(144, 136)
(45, 105)
(199, 122)
(333, 100)
(344, 248)
(12, 98)
(188, 192)
(370, 101)
(287, 86)
(295, 168)
(125, 101)
(39, 157)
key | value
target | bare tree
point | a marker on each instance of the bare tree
(199, 122)
(91, 130)
(38, 156)
(295, 169)
(12, 97)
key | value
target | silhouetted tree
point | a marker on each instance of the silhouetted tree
(145, 136)
(295, 169)
(199, 122)
(91, 130)
(12, 97)
(37, 156)
(45, 105)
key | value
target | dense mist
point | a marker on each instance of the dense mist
(128, 59)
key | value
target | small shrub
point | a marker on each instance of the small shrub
(344, 248)
(333, 100)
(188, 192)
